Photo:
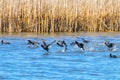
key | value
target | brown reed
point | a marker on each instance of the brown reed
(59, 15)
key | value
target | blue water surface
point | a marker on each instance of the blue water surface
(20, 62)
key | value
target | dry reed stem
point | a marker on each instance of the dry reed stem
(59, 15)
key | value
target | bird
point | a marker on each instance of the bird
(4, 42)
(62, 44)
(109, 45)
(46, 46)
(85, 41)
(80, 45)
(73, 43)
(33, 43)
(112, 56)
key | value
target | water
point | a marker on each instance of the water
(19, 62)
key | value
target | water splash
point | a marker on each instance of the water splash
(63, 50)
(114, 48)
(91, 49)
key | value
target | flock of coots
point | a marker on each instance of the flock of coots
(62, 43)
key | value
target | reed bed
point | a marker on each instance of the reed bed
(59, 15)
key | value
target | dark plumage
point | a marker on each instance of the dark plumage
(112, 56)
(73, 43)
(85, 41)
(46, 46)
(62, 44)
(33, 43)
(80, 45)
(109, 45)
(4, 42)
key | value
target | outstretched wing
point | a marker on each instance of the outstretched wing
(51, 43)
(43, 41)
(60, 43)
(65, 44)
(85, 41)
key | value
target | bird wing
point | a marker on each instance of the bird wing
(51, 43)
(65, 44)
(43, 41)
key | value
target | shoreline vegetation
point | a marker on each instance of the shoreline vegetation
(59, 15)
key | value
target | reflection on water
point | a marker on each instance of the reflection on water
(19, 62)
